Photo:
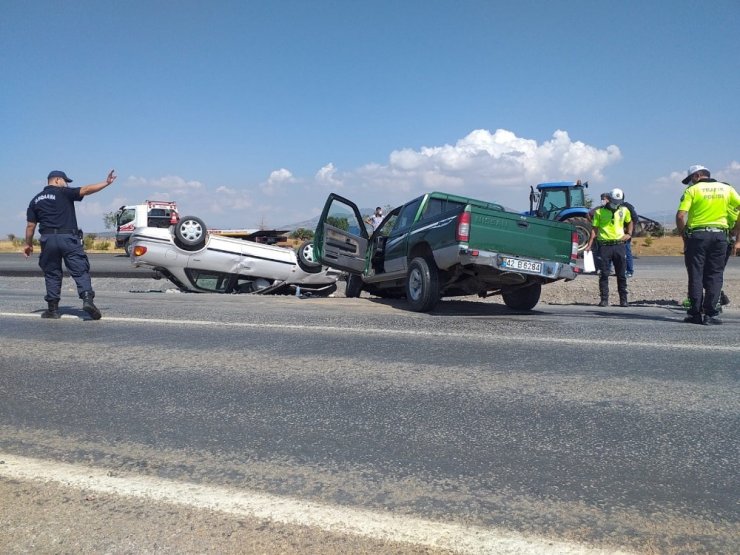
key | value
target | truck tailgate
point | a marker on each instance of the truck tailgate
(523, 236)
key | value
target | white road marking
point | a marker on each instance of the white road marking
(286, 510)
(576, 341)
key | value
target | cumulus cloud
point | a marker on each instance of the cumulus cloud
(327, 176)
(277, 181)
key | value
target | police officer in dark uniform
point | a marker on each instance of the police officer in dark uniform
(703, 218)
(53, 211)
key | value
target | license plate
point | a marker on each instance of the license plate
(523, 265)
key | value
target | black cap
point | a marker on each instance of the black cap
(57, 173)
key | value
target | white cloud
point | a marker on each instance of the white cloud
(730, 174)
(277, 181)
(497, 166)
(327, 176)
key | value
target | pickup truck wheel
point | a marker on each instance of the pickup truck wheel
(353, 287)
(190, 233)
(525, 298)
(583, 228)
(306, 260)
(422, 285)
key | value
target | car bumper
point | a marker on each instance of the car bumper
(547, 268)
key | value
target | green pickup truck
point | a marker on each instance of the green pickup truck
(443, 245)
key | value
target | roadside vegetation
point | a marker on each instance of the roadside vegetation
(668, 245)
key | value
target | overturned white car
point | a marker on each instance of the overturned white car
(196, 260)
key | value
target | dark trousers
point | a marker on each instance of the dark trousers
(67, 247)
(705, 256)
(612, 254)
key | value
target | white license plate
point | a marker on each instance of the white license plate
(523, 265)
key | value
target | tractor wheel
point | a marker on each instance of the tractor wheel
(583, 228)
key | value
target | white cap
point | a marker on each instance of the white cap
(616, 194)
(692, 170)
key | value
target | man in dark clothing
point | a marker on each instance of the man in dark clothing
(53, 211)
(703, 218)
(628, 244)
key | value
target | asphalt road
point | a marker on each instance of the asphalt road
(613, 428)
(119, 265)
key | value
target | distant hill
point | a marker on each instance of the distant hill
(311, 224)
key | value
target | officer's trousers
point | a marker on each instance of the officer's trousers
(612, 254)
(67, 247)
(705, 256)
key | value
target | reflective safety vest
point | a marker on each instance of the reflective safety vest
(611, 224)
(709, 204)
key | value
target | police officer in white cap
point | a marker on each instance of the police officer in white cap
(703, 218)
(611, 227)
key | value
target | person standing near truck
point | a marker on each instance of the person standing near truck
(608, 230)
(53, 210)
(629, 261)
(703, 219)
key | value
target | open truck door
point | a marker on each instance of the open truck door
(341, 238)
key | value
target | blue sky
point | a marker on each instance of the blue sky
(251, 112)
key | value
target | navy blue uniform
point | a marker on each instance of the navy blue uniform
(53, 210)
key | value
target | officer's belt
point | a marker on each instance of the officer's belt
(607, 243)
(712, 229)
(59, 231)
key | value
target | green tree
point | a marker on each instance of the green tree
(302, 233)
(340, 222)
(109, 220)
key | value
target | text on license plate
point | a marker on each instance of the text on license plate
(524, 265)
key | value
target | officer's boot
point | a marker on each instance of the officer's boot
(89, 306)
(52, 311)
(724, 300)
(623, 300)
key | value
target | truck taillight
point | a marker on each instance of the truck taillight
(463, 227)
(574, 247)
(139, 250)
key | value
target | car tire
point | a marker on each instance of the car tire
(128, 248)
(306, 260)
(190, 233)
(422, 285)
(525, 298)
(353, 288)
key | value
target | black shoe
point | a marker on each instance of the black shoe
(623, 302)
(52, 311)
(694, 319)
(89, 306)
(712, 321)
(604, 303)
(724, 300)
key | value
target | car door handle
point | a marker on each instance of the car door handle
(522, 223)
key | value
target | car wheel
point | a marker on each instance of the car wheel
(422, 285)
(190, 233)
(525, 298)
(306, 260)
(353, 287)
(128, 248)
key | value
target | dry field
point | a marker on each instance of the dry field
(643, 246)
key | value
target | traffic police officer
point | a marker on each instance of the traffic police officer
(702, 219)
(608, 229)
(53, 211)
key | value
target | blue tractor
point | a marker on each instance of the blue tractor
(563, 201)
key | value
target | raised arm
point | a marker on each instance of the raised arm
(90, 189)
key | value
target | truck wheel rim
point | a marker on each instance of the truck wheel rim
(415, 285)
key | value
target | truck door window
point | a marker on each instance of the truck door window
(407, 215)
(126, 216)
(343, 217)
(434, 207)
